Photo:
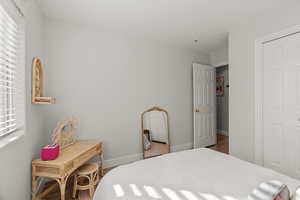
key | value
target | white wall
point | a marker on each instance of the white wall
(219, 57)
(241, 70)
(108, 80)
(15, 164)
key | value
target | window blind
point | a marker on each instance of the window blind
(12, 87)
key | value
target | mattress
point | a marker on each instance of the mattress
(199, 174)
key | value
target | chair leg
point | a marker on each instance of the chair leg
(79, 196)
(74, 187)
(91, 192)
(94, 189)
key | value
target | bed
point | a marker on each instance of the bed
(199, 174)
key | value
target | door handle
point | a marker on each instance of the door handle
(197, 110)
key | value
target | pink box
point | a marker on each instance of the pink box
(50, 152)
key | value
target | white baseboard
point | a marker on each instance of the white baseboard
(181, 147)
(222, 132)
(122, 160)
(135, 157)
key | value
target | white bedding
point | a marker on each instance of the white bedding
(199, 174)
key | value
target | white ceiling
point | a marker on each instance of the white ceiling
(176, 22)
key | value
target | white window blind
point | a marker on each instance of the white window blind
(12, 66)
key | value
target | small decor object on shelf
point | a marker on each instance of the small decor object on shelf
(37, 84)
(64, 133)
(50, 152)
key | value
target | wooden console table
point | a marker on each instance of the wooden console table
(70, 159)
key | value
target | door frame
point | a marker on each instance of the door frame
(258, 89)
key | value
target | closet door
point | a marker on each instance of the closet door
(274, 112)
(281, 107)
(292, 57)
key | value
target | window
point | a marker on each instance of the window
(12, 76)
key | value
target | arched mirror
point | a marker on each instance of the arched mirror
(155, 132)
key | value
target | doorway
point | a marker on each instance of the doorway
(222, 109)
(211, 94)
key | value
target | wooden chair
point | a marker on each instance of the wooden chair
(86, 178)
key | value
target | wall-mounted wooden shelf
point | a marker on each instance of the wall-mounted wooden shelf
(45, 100)
(37, 84)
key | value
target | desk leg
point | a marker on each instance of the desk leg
(101, 165)
(62, 191)
(34, 183)
(62, 186)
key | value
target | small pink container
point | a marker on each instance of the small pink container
(50, 152)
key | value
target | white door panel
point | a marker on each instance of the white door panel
(281, 105)
(204, 105)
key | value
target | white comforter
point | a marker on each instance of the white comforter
(200, 174)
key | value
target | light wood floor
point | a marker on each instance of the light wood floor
(221, 146)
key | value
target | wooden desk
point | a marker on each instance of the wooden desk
(70, 159)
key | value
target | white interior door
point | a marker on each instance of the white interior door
(204, 86)
(281, 105)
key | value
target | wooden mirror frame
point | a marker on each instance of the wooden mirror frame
(142, 125)
(38, 84)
